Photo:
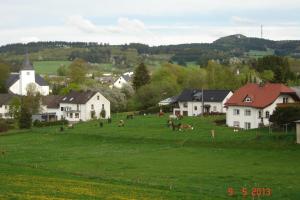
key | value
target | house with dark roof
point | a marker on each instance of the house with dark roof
(252, 105)
(17, 83)
(194, 102)
(123, 80)
(79, 106)
(5, 100)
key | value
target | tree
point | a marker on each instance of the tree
(15, 107)
(267, 75)
(4, 72)
(25, 119)
(62, 70)
(77, 71)
(279, 65)
(285, 114)
(141, 76)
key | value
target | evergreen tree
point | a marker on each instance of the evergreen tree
(141, 76)
(25, 118)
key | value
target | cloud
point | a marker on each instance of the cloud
(82, 24)
(242, 21)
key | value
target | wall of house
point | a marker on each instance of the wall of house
(98, 105)
(4, 110)
(195, 108)
(15, 88)
(43, 90)
(26, 77)
(254, 117)
(120, 83)
(86, 109)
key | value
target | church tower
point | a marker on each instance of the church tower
(27, 75)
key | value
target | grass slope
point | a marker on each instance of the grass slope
(146, 160)
(49, 67)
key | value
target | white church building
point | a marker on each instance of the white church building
(17, 83)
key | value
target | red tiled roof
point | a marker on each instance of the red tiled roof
(261, 96)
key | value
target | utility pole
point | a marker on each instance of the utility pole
(202, 101)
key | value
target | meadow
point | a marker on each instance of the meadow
(49, 67)
(147, 160)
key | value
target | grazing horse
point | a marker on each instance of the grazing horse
(160, 114)
(129, 116)
(175, 126)
(186, 127)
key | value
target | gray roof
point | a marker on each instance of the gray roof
(12, 79)
(297, 90)
(127, 78)
(75, 97)
(40, 80)
(208, 95)
(15, 77)
(51, 101)
(26, 63)
(6, 98)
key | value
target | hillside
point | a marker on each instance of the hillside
(127, 56)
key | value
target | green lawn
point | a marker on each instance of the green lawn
(49, 67)
(146, 160)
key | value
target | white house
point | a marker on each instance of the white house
(122, 81)
(17, 83)
(252, 105)
(5, 100)
(77, 106)
(192, 102)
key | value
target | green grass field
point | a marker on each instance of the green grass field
(146, 160)
(49, 67)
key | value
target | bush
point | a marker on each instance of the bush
(25, 118)
(38, 123)
(3, 126)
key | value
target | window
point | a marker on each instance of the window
(98, 98)
(285, 100)
(247, 112)
(236, 124)
(61, 108)
(185, 105)
(102, 106)
(5, 107)
(71, 115)
(248, 99)
(92, 106)
(195, 107)
(247, 125)
(77, 115)
(236, 111)
(71, 99)
(260, 114)
(215, 108)
(267, 114)
(64, 98)
(28, 73)
(77, 107)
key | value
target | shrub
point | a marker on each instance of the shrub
(37, 123)
(3, 126)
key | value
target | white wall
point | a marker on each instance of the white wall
(195, 112)
(84, 110)
(4, 110)
(120, 82)
(26, 77)
(15, 88)
(254, 118)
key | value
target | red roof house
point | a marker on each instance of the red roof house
(259, 95)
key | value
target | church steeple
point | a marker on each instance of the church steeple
(26, 63)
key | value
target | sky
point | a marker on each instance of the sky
(152, 22)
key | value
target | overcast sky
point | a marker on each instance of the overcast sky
(152, 22)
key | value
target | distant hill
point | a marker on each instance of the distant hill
(223, 49)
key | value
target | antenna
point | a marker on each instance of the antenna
(261, 31)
